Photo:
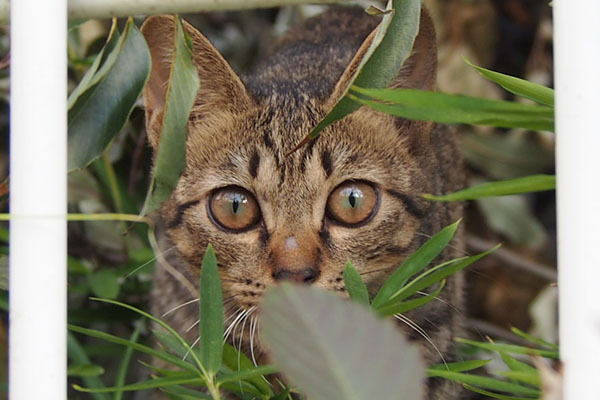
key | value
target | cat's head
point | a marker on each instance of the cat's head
(352, 195)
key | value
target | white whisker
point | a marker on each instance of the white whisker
(187, 353)
(187, 303)
(421, 332)
(253, 323)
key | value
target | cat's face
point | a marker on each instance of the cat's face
(272, 215)
(353, 195)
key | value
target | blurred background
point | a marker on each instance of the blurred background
(512, 287)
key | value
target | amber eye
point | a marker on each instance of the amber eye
(352, 203)
(233, 208)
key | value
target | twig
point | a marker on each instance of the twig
(514, 260)
(84, 9)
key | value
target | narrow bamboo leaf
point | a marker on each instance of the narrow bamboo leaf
(333, 340)
(484, 382)
(124, 364)
(459, 366)
(393, 307)
(181, 93)
(516, 365)
(533, 339)
(101, 110)
(529, 90)
(283, 395)
(414, 264)
(529, 378)
(391, 46)
(177, 392)
(163, 325)
(455, 109)
(247, 374)
(78, 355)
(136, 346)
(438, 274)
(190, 379)
(211, 313)
(528, 184)
(357, 290)
(84, 370)
(237, 361)
(510, 348)
(496, 395)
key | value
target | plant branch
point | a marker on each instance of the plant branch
(85, 9)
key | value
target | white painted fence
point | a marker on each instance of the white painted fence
(38, 183)
(577, 82)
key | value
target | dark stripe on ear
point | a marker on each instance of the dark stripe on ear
(180, 212)
(326, 163)
(254, 163)
(409, 204)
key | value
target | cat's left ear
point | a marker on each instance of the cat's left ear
(418, 71)
(220, 87)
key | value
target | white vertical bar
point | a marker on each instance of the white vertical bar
(38, 200)
(577, 82)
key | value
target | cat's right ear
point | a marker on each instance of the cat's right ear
(220, 87)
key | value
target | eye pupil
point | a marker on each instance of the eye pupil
(352, 199)
(235, 205)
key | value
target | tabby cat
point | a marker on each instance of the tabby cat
(353, 194)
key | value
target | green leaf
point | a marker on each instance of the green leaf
(393, 307)
(187, 379)
(391, 45)
(460, 366)
(211, 313)
(533, 339)
(455, 109)
(333, 343)
(124, 364)
(528, 184)
(101, 104)
(414, 264)
(177, 392)
(516, 365)
(527, 377)
(357, 290)
(237, 361)
(181, 94)
(485, 382)
(84, 370)
(436, 274)
(175, 361)
(529, 90)
(247, 374)
(105, 283)
(510, 348)
(78, 356)
(495, 395)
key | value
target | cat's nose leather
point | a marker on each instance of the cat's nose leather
(306, 276)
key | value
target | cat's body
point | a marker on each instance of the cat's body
(353, 194)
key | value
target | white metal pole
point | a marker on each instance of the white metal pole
(577, 83)
(38, 202)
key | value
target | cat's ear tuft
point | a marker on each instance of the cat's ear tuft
(418, 71)
(220, 87)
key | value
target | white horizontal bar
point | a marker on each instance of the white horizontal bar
(84, 9)
(38, 201)
(577, 82)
